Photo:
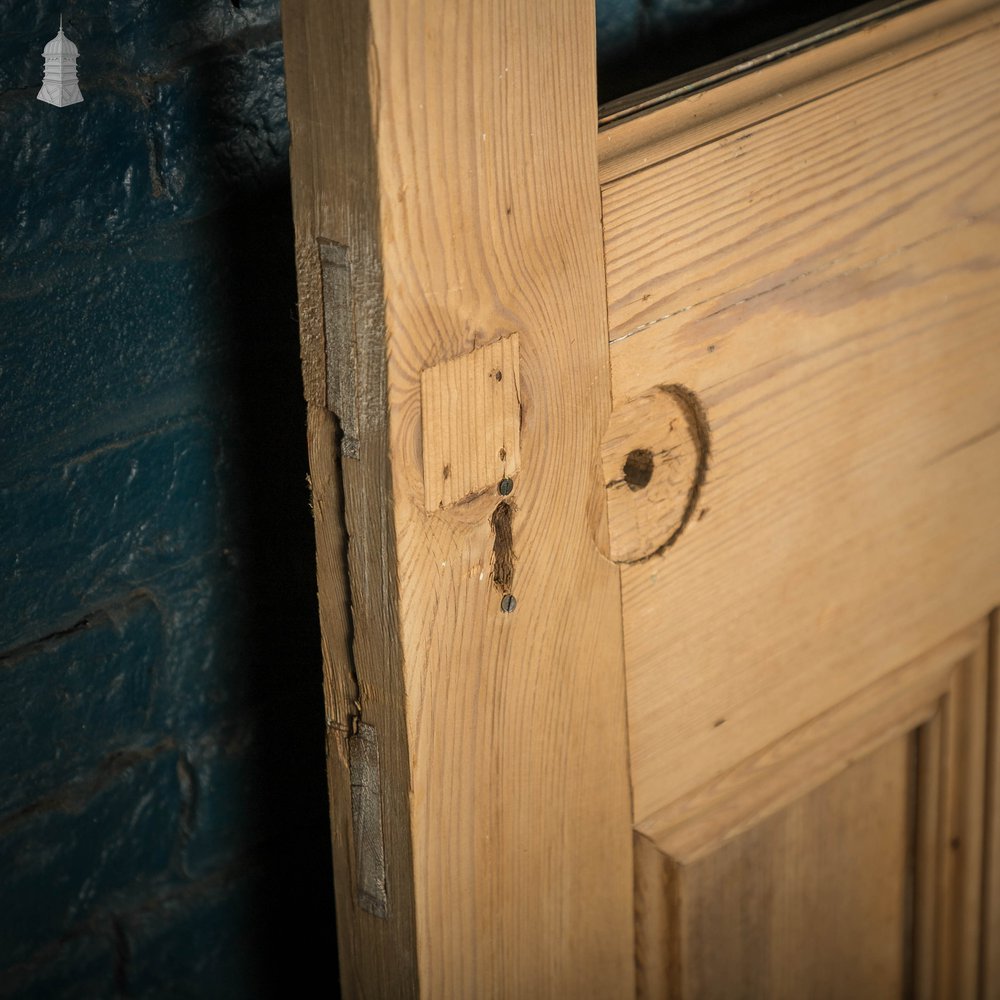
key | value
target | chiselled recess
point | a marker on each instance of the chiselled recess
(655, 456)
(471, 423)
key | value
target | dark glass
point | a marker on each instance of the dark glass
(645, 42)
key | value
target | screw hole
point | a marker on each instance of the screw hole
(508, 603)
(638, 469)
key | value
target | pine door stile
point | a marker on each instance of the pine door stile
(456, 360)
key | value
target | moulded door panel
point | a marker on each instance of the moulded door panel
(805, 343)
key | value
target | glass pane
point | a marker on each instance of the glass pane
(644, 42)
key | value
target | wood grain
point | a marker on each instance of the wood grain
(471, 423)
(341, 339)
(821, 274)
(990, 970)
(738, 799)
(490, 219)
(845, 862)
(453, 152)
(826, 282)
(810, 903)
(334, 199)
(641, 131)
(655, 453)
(372, 950)
(951, 768)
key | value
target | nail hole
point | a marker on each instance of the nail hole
(498, 376)
(503, 454)
(446, 472)
(638, 468)
(506, 487)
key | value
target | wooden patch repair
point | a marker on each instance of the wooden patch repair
(655, 457)
(366, 814)
(341, 347)
(471, 418)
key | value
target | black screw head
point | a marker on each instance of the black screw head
(506, 487)
(507, 603)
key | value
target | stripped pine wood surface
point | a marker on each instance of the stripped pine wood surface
(737, 475)
(471, 423)
(845, 861)
(451, 150)
(990, 985)
(647, 128)
(949, 824)
(760, 915)
(739, 799)
(834, 306)
(491, 226)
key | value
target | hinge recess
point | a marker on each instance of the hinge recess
(341, 343)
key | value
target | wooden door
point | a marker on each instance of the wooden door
(655, 472)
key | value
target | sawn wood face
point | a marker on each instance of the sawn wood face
(810, 659)
(827, 283)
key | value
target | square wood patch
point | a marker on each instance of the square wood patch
(471, 417)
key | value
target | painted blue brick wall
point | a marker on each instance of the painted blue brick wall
(162, 800)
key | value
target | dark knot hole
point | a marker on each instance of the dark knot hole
(638, 468)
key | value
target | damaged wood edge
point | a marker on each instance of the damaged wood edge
(342, 306)
(352, 745)
(341, 352)
(366, 813)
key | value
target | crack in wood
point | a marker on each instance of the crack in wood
(502, 523)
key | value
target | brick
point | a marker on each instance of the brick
(223, 134)
(100, 348)
(165, 133)
(206, 677)
(70, 699)
(151, 38)
(201, 943)
(103, 524)
(261, 786)
(87, 848)
(80, 967)
(191, 321)
(238, 939)
(152, 484)
(105, 139)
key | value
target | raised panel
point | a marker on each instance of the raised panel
(825, 282)
(811, 902)
(848, 860)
